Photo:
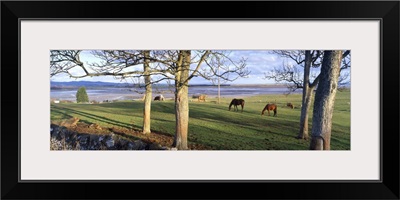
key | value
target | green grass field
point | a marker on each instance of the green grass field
(212, 125)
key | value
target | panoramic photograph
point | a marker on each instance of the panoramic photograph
(200, 100)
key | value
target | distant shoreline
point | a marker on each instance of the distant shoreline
(236, 91)
(60, 86)
(260, 85)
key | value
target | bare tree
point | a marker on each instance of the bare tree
(325, 100)
(292, 75)
(113, 63)
(182, 66)
(147, 96)
(222, 69)
(296, 78)
(344, 76)
(179, 66)
(121, 60)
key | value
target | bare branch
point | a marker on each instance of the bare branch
(202, 59)
(347, 52)
(288, 74)
(297, 56)
(220, 65)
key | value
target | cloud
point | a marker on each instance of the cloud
(258, 62)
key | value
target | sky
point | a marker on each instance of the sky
(258, 63)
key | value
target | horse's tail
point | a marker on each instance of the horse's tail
(275, 110)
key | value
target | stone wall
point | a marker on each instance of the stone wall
(63, 139)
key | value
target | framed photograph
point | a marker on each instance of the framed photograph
(113, 97)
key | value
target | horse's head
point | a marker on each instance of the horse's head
(230, 105)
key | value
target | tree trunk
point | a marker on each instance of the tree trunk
(181, 102)
(219, 87)
(219, 91)
(325, 101)
(307, 97)
(305, 108)
(147, 97)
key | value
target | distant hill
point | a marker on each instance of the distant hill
(88, 84)
(97, 84)
(207, 85)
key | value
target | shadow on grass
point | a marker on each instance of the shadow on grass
(260, 125)
(221, 139)
(111, 122)
(336, 142)
(97, 118)
(63, 115)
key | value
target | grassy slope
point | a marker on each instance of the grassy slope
(213, 125)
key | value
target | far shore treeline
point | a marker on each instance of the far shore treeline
(93, 84)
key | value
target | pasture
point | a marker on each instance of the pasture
(212, 125)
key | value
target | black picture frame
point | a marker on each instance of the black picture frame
(386, 11)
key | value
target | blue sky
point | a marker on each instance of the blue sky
(258, 62)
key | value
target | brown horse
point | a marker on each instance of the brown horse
(290, 105)
(202, 98)
(235, 103)
(269, 107)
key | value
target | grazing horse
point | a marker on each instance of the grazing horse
(202, 98)
(290, 105)
(269, 107)
(236, 102)
(159, 98)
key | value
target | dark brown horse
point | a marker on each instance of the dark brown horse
(235, 103)
(269, 107)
